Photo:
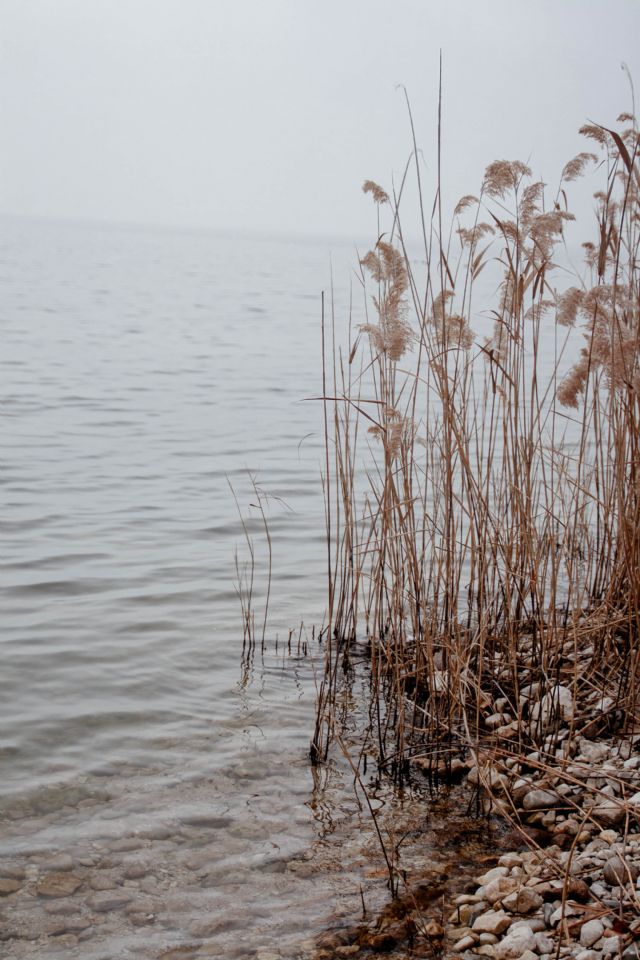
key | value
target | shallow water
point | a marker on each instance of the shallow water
(150, 801)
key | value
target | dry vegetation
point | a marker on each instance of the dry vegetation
(483, 510)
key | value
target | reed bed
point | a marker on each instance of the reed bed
(482, 492)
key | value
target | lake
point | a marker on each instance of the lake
(156, 799)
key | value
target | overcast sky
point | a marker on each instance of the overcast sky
(269, 114)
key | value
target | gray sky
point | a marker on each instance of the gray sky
(269, 114)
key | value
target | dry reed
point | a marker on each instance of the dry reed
(483, 512)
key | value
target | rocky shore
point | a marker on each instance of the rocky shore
(576, 892)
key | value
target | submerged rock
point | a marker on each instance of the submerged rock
(58, 885)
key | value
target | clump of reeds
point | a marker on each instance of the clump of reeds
(483, 511)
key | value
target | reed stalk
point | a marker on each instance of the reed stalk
(483, 508)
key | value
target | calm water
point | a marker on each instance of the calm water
(142, 370)
(151, 804)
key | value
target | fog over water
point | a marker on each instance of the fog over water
(242, 114)
(169, 176)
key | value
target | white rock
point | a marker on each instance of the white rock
(493, 921)
(524, 900)
(497, 889)
(557, 703)
(494, 721)
(488, 938)
(591, 933)
(591, 751)
(515, 943)
(610, 946)
(485, 949)
(609, 836)
(563, 913)
(604, 705)
(464, 944)
(510, 860)
(540, 800)
(492, 874)
(544, 944)
(536, 924)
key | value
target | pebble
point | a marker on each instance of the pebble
(134, 871)
(464, 943)
(103, 903)
(12, 871)
(510, 860)
(618, 871)
(8, 886)
(58, 885)
(101, 881)
(515, 943)
(126, 844)
(524, 900)
(57, 864)
(591, 932)
(609, 812)
(490, 875)
(610, 946)
(497, 889)
(494, 921)
(540, 800)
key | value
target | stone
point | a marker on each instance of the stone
(493, 921)
(540, 800)
(464, 944)
(433, 930)
(562, 913)
(134, 871)
(535, 924)
(557, 703)
(608, 813)
(494, 721)
(618, 870)
(510, 860)
(588, 955)
(590, 933)
(101, 881)
(515, 943)
(125, 844)
(490, 875)
(68, 925)
(8, 886)
(524, 900)
(591, 751)
(610, 946)
(544, 944)
(60, 863)
(578, 890)
(58, 885)
(105, 902)
(15, 871)
(608, 836)
(520, 789)
(497, 889)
